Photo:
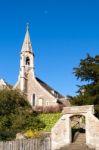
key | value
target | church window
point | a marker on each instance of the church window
(33, 100)
(27, 61)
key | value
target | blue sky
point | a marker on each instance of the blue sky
(62, 32)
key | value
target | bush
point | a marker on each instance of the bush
(32, 134)
(16, 115)
(7, 135)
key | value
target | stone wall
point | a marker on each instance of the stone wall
(61, 132)
(92, 131)
(79, 109)
(40, 92)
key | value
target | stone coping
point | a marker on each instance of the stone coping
(78, 109)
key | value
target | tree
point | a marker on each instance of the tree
(16, 115)
(88, 71)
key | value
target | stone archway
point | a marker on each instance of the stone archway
(61, 132)
(78, 128)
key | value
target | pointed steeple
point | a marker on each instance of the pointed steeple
(27, 46)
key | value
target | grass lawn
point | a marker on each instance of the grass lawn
(49, 120)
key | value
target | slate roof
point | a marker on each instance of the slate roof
(49, 89)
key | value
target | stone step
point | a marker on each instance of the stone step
(80, 141)
(80, 138)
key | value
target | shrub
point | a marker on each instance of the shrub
(32, 133)
(7, 135)
(16, 115)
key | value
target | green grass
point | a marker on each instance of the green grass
(49, 119)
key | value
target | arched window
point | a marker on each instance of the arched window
(27, 61)
(33, 100)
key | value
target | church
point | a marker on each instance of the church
(37, 91)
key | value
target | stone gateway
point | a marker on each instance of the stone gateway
(62, 131)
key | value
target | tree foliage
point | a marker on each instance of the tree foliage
(16, 115)
(88, 71)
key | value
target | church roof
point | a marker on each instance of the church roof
(4, 84)
(27, 46)
(49, 89)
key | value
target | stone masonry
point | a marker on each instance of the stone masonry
(61, 132)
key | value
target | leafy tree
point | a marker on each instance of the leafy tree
(16, 115)
(88, 71)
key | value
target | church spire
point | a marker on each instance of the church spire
(27, 26)
(27, 46)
